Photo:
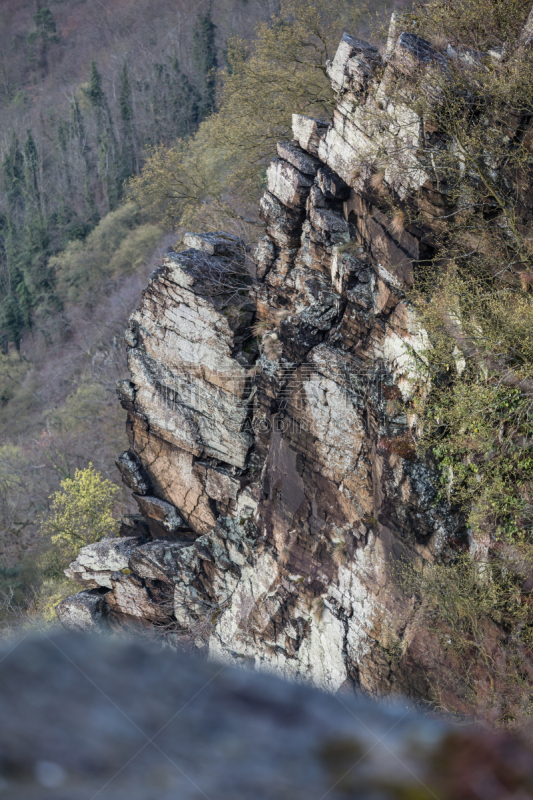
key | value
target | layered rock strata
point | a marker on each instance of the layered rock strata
(272, 420)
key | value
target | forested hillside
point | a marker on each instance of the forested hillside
(86, 90)
(120, 123)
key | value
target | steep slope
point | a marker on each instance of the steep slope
(279, 486)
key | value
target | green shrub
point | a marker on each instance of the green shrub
(82, 511)
(118, 245)
(17, 390)
(80, 408)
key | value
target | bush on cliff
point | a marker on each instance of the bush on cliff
(81, 512)
(473, 90)
(473, 623)
(471, 86)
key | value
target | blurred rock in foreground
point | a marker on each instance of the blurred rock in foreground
(91, 717)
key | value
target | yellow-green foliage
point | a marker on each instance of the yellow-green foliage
(81, 512)
(12, 372)
(479, 428)
(281, 73)
(117, 246)
(16, 387)
(50, 593)
(474, 298)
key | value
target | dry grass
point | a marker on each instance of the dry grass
(398, 222)
(261, 328)
(318, 608)
(272, 347)
(377, 180)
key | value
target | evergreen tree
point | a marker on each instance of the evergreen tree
(13, 172)
(31, 163)
(108, 168)
(37, 284)
(184, 102)
(175, 103)
(95, 93)
(78, 132)
(47, 202)
(11, 322)
(79, 135)
(204, 55)
(127, 127)
(63, 137)
(42, 37)
(12, 318)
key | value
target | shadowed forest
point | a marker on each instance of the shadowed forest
(85, 90)
(88, 91)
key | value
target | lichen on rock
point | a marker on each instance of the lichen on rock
(278, 478)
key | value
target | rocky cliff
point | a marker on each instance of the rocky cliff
(272, 412)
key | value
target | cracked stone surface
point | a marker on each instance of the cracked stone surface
(289, 459)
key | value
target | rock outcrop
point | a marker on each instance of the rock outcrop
(78, 722)
(272, 420)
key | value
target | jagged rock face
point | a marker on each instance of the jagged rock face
(279, 482)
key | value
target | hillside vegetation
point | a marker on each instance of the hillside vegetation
(85, 90)
(90, 92)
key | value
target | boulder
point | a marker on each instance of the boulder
(84, 612)
(133, 473)
(308, 132)
(88, 716)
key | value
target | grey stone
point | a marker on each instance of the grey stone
(83, 612)
(87, 716)
(298, 158)
(125, 390)
(216, 244)
(162, 517)
(157, 560)
(286, 183)
(332, 185)
(308, 132)
(133, 473)
(221, 486)
(355, 62)
(264, 256)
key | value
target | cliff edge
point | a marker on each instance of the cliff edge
(272, 412)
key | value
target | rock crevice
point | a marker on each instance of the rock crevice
(274, 468)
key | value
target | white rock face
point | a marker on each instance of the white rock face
(286, 183)
(183, 370)
(288, 457)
